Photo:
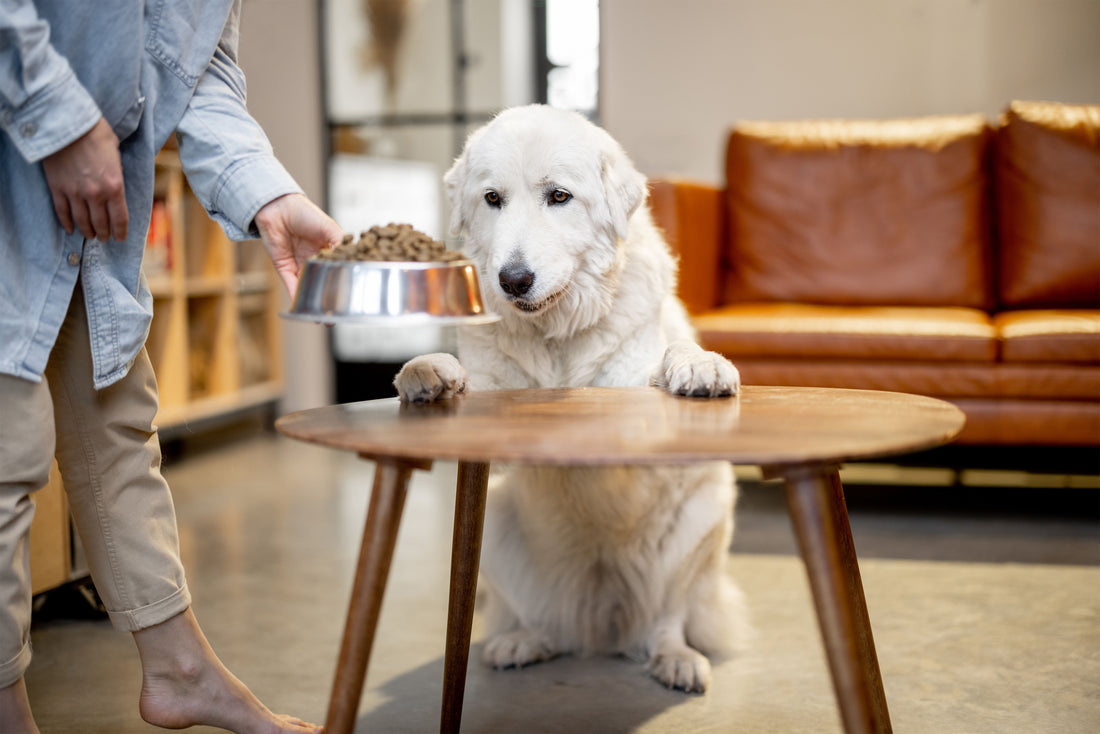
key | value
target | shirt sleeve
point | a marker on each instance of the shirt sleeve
(43, 106)
(226, 155)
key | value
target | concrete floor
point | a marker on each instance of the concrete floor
(985, 603)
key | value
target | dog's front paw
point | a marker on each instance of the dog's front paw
(682, 668)
(518, 648)
(689, 370)
(430, 377)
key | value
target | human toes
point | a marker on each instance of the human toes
(298, 725)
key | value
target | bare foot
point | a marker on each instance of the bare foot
(15, 710)
(184, 684)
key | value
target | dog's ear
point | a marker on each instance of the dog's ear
(624, 188)
(454, 186)
(454, 183)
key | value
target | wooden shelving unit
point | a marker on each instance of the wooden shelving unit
(215, 342)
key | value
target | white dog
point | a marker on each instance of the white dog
(625, 560)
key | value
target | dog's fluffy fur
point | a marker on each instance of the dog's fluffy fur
(623, 560)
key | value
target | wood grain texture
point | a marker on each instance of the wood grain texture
(391, 481)
(636, 425)
(820, 518)
(473, 482)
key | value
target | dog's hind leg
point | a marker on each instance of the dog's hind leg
(514, 587)
(718, 618)
(673, 662)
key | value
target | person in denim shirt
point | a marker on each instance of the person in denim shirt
(89, 93)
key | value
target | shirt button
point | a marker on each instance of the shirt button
(74, 259)
(28, 129)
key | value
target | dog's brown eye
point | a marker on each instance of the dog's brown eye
(560, 196)
(492, 198)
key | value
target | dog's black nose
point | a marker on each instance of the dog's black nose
(516, 280)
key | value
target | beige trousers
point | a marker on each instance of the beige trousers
(109, 456)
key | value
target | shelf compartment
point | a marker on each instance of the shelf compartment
(252, 257)
(175, 421)
(256, 365)
(254, 282)
(207, 285)
(167, 349)
(207, 252)
(212, 337)
(215, 341)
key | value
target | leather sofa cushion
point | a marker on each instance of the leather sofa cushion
(1047, 173)
(838, 332)
(1064, 337)
(887, 212)
(940, 380)
(943, 380)
(1030, 422)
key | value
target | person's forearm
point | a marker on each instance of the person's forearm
(227, 157)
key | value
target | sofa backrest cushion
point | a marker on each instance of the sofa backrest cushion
(1047, 177)
(871, 212)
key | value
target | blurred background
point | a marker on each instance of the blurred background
(368, 101)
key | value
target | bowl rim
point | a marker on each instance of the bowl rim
(399, 320)
(392, 264)
(331, 318)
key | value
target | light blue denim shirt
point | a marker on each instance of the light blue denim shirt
(150, 69)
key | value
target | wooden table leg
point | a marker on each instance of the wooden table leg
(387, 500)
(473, 480)
(820, 518)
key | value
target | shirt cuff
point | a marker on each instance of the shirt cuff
(245, 188)
(51, 119)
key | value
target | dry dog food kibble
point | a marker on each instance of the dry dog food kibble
(392, 242)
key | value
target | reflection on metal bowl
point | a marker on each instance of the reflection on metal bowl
(387, 293)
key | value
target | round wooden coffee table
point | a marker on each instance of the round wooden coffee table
(800, 435)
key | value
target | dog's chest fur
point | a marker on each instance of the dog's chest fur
(609, 545)
(580, 361)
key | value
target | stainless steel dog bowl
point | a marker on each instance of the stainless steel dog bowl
(389, 293)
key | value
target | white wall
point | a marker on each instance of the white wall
(279, 56)
(675, 75)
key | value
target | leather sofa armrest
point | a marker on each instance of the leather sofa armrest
(692, 216)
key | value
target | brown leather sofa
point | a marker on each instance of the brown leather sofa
(944, 256)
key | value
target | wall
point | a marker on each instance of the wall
(278, 53)
(674, 76)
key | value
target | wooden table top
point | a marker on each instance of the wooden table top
(635, 425)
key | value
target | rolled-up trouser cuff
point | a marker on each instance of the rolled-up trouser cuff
(151, 614)
(12, 670)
